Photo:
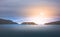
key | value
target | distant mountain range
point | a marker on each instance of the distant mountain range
(53, 23)
(4, 21)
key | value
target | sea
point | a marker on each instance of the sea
(19, 30)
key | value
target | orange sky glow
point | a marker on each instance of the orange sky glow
(44, 11)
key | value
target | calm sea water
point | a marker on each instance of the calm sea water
(16, 30)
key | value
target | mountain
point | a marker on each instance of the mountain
(28, 23)
(53, 23)
(4, 21)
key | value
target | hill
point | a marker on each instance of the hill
(53, 23)
(28, 23)
(4, 21)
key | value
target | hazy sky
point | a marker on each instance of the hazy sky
(21, 10)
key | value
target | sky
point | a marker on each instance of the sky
(30, 10)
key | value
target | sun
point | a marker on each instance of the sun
(39, 20)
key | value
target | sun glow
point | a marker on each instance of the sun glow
(38, 19)
(36, 14)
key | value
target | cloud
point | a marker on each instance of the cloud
(9, 8)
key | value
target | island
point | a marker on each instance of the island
(4, 21)
(53, 23)
(28, 23)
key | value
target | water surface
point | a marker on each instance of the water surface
(29, 30)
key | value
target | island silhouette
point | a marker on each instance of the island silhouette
(4, 21)
(28, 23)
(53, 23)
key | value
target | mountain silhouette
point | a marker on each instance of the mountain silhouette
(53, 23)
(4, 21)
(28, 23)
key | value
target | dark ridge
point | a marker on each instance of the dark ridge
(28, 23)
(53, 23)
(4, 21)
